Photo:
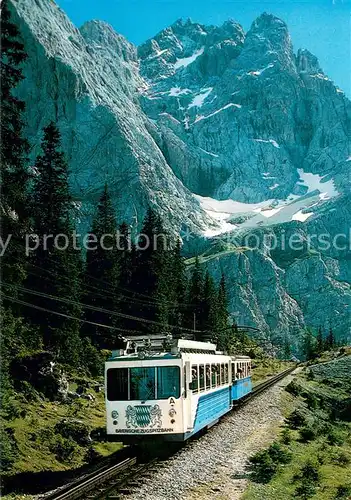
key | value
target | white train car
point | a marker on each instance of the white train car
(170, 393)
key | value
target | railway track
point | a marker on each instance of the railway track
(98, 484)
(257, 389)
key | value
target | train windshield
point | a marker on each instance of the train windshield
(144, 383)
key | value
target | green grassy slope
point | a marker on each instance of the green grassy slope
(316, 436)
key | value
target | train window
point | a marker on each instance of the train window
(226, 373)
(202, 377)
(168, 382)
(222, 374)
(142, 384)
(233, 372)
(194, 385)
(117, 384)
(208, 376)
(214, 375)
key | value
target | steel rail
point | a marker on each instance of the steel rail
(91, 482)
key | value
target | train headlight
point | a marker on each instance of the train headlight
(172, 412)
(114, 414)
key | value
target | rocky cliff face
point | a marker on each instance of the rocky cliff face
(88, 81)
(220, 130)
(232, 106)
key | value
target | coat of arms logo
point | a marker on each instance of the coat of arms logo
(156, 415)
(143, 415)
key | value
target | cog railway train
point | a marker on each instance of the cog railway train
(170, 392)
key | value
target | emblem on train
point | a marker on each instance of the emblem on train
(143, 416)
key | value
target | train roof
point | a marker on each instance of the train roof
(160, 346)
(164, 347)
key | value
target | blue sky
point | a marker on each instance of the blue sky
(321, 26)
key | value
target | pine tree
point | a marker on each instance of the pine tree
(102, 272)
(14, 181)
(126, 280)
(330, 340)
(55, 268)
(309, 345)
(126, 256)
(150, 277)
(177, 288)
(223, 334)
(287, 349)
(195, 298)
(209, 316)
(13, 155)
(320, 341)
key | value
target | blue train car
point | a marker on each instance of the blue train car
(241, 388)
(170, 393)
(241, 377)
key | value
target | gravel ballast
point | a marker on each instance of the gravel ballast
(216, 464)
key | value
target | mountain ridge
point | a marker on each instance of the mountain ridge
(199, 115)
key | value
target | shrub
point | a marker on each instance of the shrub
(335, 438)
(311, 400)
(266, 463)
(12, 410)
(308, 433)
(91, 358)
(92, 456)
(343, 491)
(64, 449)
(309, 472)
(262, 466)
(341, 458)
(305, 490)
(8, 448)
(28, 391)
(74, 430)
(286, 437)
(296, 419)
(293, 388)
(279, 454)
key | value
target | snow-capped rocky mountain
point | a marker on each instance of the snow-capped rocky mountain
(220, 130)
(88, 81)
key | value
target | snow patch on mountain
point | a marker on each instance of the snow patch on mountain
(177, 91)
(209, 153)
(233, 215)
(315, 182)
(230, 105)
(200, 98)
(185, 61)
(269, 141)
(302, 217)
(259, 72)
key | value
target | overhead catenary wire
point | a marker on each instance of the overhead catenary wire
(151, 302)
(105, 311)
(44, 309)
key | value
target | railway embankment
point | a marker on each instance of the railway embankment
(311, 455)
(55, 426)
(54, 430)
(215, 466)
